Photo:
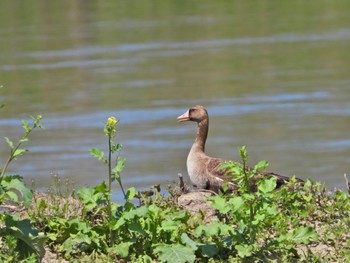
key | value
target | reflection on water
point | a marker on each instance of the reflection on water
(273, 79)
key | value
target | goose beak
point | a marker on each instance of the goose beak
(184, 117)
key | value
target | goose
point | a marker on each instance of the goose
(205, 172)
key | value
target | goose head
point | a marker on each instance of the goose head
(197, 114)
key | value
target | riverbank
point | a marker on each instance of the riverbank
(308, 224)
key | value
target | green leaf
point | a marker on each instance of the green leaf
(300, 235)
(101, 188)
(19, 152)
(175, 253)
(138, 212)
(116, 148)
(16, 189)
(267, 186)
(232, 168)
(75, 243)
(271, 210)
(137, 227)
(122, 249)
(170, 225)
(244, 250)
(120, 166)
(214, 229)
(260, 166)
(219, 203)
(308, 197)
(96, 153)
(185, 239)
(236, 203)
(258, 218)
(23, 139)
(130, 194)
(88, 197)
(30, 240)
(9, 142)
(244, 153)
(209, 250)
(25, 126)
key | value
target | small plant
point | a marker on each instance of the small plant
(25, 239)
(116, 166)
(257, 215)
(94, 198)
(15, 151)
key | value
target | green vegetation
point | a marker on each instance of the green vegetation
(296, 223)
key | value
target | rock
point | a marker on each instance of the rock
(196, 202)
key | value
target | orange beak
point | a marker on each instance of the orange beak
(184, 117)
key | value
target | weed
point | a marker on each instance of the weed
(26, 241)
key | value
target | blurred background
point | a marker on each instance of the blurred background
(274, 76)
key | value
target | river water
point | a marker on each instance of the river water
(274, 76)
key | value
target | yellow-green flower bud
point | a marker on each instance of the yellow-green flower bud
(112, 121)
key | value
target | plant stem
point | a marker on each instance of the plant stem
(251, 203)
(12, 152)
(121, 186)
(109, 176)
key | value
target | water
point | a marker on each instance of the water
(273, 76)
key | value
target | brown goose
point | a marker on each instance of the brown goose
(205, 171)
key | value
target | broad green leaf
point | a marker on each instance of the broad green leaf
(30, 240)
(236, 203)
(73, 244)
(137, 227)
(79, 225)
(138, 212)
(214, 229)
(209, 250)
(219, 203)
(244, 250)
(16, 190)
(88, 197)
(271, 210)
(9, 142)
(300, 235)
(175, 253)
(258, 218)
(122, 249)
(19, 152)
(267, 186)
(96, 153)
(102, 187)
(305, 234)
(185, 239)
(170, 225)
(121, 221)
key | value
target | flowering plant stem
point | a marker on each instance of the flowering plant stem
(15, 151)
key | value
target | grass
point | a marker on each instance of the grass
(296, 223)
